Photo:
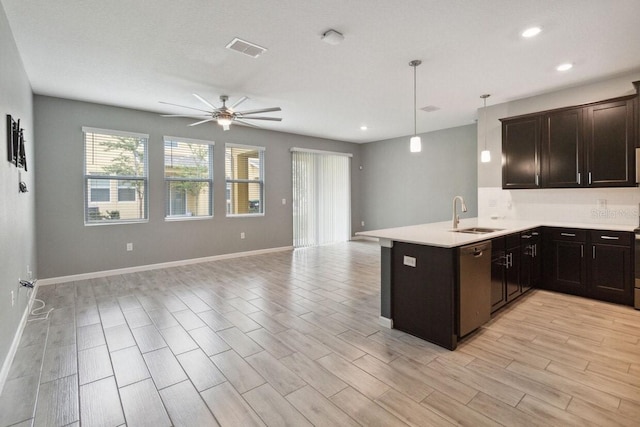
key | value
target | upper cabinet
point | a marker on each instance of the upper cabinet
(584, 146)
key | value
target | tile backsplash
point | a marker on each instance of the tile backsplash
(581, 205)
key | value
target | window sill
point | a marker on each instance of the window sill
(106, 222)
(187, 218)
(251, 215)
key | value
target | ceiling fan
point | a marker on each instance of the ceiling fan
(225, 115)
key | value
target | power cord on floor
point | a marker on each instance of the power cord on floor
(38, 311)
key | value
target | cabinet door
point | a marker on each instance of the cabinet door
(498, 287)
(521, 153)
(530, 264)
(610, 141)
(563, 149)
(611, 269)
(512, 270)
(564, 260)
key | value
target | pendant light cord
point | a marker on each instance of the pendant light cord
(484, 97)
(415, 104)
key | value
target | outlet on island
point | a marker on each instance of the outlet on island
(129, 247)
(242, 235)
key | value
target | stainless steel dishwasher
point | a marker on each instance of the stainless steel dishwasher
(475, 286)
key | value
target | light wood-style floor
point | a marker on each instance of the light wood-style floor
(292, 338)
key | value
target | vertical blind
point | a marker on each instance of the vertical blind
(321, 198)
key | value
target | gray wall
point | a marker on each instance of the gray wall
(17, 219)
(402, 188)
(67, 247)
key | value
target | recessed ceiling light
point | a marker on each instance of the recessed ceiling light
(531, 32)
(564, 67)
(363, 127)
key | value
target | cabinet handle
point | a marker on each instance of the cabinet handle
(581, 251)
(609, 237)
(526, 236)
(568, 234)
(535, 250)
(579, 178)
(537, 180)
(589, 177)
(593, 252)
(535, 233)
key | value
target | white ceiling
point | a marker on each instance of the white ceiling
(137, 53)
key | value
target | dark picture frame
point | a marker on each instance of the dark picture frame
(15, 143)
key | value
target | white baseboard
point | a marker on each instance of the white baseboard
(105, 273)
(6, 365)
(386, 322)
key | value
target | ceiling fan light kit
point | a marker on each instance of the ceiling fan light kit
(224, 115)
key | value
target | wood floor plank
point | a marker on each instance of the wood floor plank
(239, 373)
(599, 416)
(178, 340)
(278, 375)
(164, 367)
(318, 409)
(100, 404)
(274, 409)
(185, 406)
(456, 412)
(505, 414)
(410, 411)
(200, 369)
(119, 337)
(142, 405)
(363, 410)
(229, 408)
(314, 374)
(357, 378)
(94, 364)
(209, 341)
(90, 336)
(308, 346)
(148, 338)
(129, 366)
(58, 402)
(59, 362)
(240, 342)
(553, 415)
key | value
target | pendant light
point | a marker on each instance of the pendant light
(415, 144)
(485, 155)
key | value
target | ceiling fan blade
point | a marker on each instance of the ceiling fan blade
(200, 122)
(184, 106)
(238, 102)
(262, 110)
(273, 119)
(185, 115)
(205, 101)
(247, 123)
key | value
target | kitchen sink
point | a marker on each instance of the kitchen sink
(476, 230)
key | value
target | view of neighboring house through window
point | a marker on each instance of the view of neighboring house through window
(115, 175)
(188, 174)
(244, 171)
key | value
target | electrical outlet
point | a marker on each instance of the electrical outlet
(242, 235)
(129, 247)
(362, 223)
(284, 201)
(29, 272)
(13, 298)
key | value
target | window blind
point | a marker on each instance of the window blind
(321, 198)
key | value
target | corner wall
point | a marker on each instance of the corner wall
(402, 188)
(67, 247)
(17, 211)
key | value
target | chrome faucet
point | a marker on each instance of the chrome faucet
(456, 218)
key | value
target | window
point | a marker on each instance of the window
(115, 164)
(244, 171)
(188, 174)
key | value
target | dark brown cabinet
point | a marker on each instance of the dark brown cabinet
(594, 264)
(610, 142)
(521, 153)
(565, 265)
(583, 146)
(610, 272)
(514, 266)
(563, 144)
(530, 259)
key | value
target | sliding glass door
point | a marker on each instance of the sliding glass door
(321, 197)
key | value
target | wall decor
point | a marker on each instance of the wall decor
(15, 143)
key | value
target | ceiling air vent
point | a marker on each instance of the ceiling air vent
(243, 46)
(430, 108)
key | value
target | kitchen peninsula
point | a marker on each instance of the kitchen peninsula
(421, 270)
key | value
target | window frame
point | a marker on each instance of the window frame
(174, 141)
(260, 181)
(117, 178)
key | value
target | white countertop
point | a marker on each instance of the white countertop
(440, 234)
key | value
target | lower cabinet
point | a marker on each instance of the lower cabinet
(515, 266)
(593, 264)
